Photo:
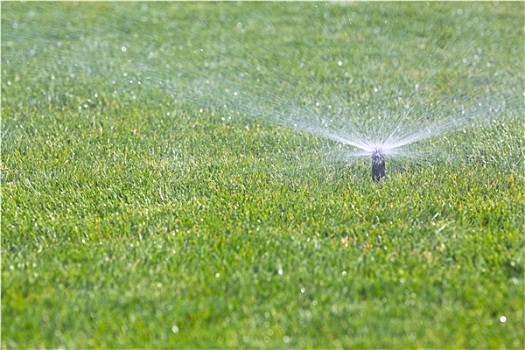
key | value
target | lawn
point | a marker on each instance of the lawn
(154, 194)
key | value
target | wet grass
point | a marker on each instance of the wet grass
(132, 218)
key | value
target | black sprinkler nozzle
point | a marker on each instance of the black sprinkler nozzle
(378, 165)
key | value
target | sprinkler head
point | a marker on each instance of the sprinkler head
(378, 165)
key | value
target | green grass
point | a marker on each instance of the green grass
(131, 219)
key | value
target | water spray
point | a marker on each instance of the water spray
(378, 165)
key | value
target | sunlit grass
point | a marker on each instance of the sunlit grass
(140, 215)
